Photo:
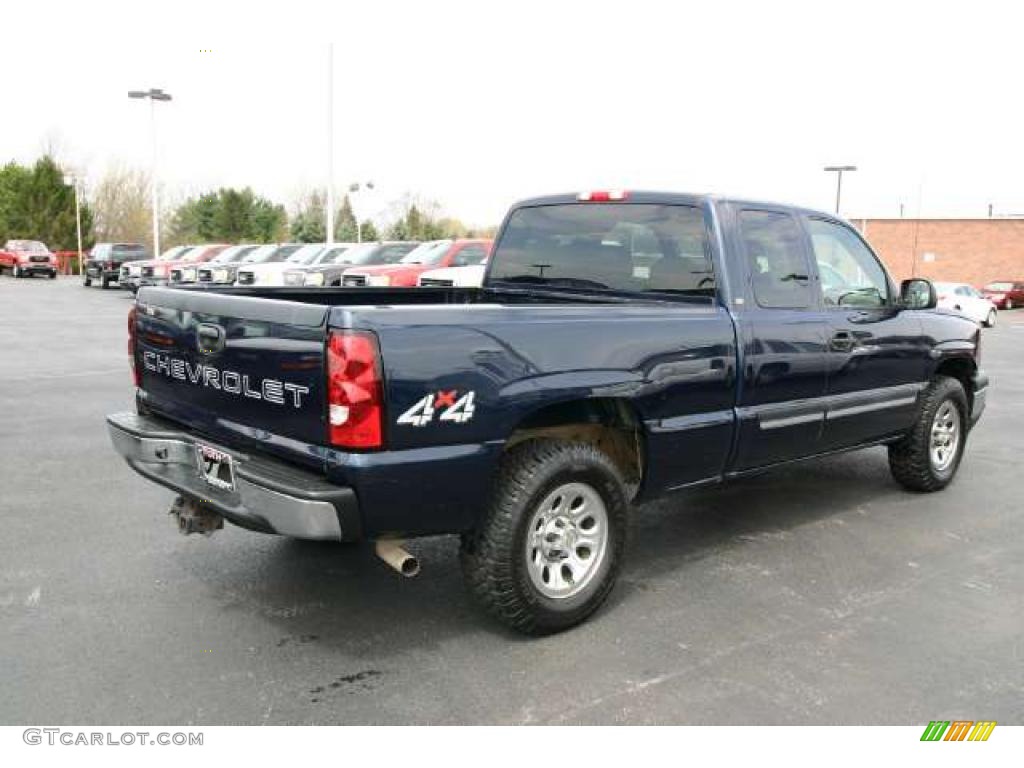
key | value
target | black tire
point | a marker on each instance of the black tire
(910, 460)
(86, 282)
(494, 556)
(990, 321)
(104, 283)
(53, 275)
(16, 272)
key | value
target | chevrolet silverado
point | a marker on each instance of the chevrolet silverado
(623, 346)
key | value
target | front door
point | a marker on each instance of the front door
(877, 356)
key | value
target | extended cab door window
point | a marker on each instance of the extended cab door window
(779, 276)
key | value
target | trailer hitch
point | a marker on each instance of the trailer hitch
(192, 517)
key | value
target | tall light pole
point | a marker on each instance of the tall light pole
(330, 143)
(838, 170)
(72, 182)
(353, 188)
(154, 95)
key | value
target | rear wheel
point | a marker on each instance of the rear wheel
(548, 549)
(927, 458)
(16, 272)
(1009, 304)
(990, 321)
(104, 283)
(53, 275)
(86, 281)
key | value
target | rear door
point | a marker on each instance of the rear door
(782, 333)
(246, 371)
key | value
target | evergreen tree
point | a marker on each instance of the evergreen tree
(309, 225)
(369, 232)
(345, 227)
(36, 204)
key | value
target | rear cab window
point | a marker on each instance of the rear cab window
(620, 247)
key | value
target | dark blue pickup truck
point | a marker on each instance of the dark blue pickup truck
(623, 346)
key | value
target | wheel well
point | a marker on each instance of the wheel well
(611, 424)
(962, 369)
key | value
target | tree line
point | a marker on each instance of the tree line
(36, 204)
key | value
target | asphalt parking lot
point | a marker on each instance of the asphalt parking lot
(818, 594)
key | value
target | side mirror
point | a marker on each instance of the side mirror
(918, 293)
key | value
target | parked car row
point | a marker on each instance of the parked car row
(386, 263)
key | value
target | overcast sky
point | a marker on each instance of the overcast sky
(475, 105)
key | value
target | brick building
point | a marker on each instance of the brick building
(975, 251)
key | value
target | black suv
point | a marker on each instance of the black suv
(105, 260)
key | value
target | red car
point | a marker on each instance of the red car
(1005, 294)
(26, 258)
(158, 272)
(433, 254)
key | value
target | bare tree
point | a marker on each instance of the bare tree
(121, 203)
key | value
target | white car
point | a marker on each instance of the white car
(967, 300)
(459, 277)
(271, 271)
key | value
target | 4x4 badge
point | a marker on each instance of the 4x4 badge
(456, 409)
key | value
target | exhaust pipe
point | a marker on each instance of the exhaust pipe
(394, 554)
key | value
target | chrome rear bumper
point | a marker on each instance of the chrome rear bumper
(269, 495)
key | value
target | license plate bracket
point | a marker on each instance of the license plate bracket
(216, 467)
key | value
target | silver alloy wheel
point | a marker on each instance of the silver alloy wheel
(945, 438)
(1008, 304)
(567, 540)
(991, 318)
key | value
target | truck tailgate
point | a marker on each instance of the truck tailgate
(247, 371)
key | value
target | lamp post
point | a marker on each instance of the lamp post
(330, 144)
(154, 95)
(71, 181)
(838, 170)
(353, 189)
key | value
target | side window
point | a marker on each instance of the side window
(471, 254)
(779, 273)
(850, 273)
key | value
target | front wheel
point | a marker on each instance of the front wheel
(16, 272)
(104, 283)
(86, 282)
(990, 321)
(548, 549)
(1008, 304)
(926, 459)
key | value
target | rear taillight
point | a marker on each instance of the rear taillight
(136, 374)
(355, 395)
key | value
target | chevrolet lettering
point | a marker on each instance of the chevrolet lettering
(231, 382)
